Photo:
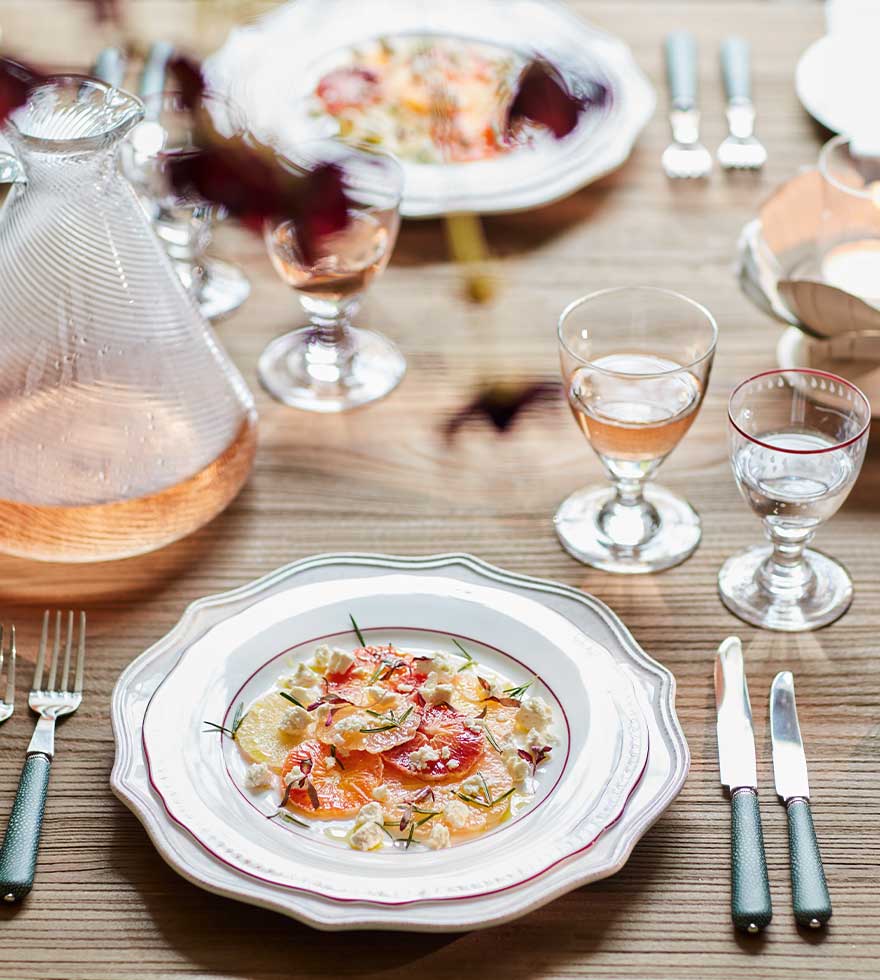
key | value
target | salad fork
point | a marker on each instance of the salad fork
(741, 150)
(685, 157)
(7, 703)
(50, 701)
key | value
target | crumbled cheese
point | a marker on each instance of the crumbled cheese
(534, 713)
(294, 776)
(436, 690)
(445, 663)
(380, 792)
(378, 695)
(455, 813)
(258, 776)
(516, 765)
(322, 657)
(473, 726)
(305, 695)
(302, 677)
(439, 837)
(350, 723)
(361, 672)
(369, 812)
(472, 786)
(339, 661)
(367, 837)
(405, 688)
(330, 762)
(535, 737)
(321, 713)
(295, 720)
(421, 757)
(453, 764)
(445, 753)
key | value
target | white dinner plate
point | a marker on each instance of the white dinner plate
(182, 784)
(270, 68)
(836, 81)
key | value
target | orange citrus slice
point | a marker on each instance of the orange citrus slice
(341, 786)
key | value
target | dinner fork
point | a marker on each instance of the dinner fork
(7, 659)
(685, 156)
(741, 150)
(18, 854)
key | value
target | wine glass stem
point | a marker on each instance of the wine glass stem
(330, 349)
(627, 519)
(785, 573)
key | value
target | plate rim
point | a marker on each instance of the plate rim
(201, 614)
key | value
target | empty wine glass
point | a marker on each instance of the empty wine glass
(797, 441)
(330, 365)
(183, 223)
(636, 363)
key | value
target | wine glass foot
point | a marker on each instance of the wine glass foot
(675, 540)
(741, 591)
(292, 373)
(224, 288)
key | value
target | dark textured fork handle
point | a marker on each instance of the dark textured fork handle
(749, 884)
(18, 855)
(809, 890)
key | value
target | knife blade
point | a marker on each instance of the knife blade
(750, 903)
(809, 889)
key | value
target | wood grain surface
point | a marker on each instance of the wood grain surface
(383, 479)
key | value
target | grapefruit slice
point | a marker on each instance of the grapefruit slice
(341, 786)
(443, 737)
(259, 736)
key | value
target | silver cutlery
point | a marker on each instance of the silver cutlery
(750, 903)
(7, 660)
(741, 150)
(685, 157)
(809, 890)
(60, 695)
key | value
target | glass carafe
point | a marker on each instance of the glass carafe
(123, 424)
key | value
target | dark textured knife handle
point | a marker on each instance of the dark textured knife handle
(18, 855)
(809, 890)
(749, 885)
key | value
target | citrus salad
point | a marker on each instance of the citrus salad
(425, 99)
(395, 748)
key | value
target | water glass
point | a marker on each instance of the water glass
(797, 441)
(331, 365)
(182, 223)
(636, 363)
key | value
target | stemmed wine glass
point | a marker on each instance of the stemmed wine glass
(797, 441)
(182, 223)
(636, 363)
(331, 365)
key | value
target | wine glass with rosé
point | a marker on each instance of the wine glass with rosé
(635, 363)
(797, 442)
(330, 365)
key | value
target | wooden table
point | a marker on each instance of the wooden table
(383, 480)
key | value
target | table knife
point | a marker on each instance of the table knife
(749, 885)
(809, 890)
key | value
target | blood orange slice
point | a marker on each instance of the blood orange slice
(357, 729)
(384, 666)
(340, 786)
(443, 737)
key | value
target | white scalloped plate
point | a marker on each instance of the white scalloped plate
(575, 645)
(270, 67)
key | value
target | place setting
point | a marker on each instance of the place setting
(485, 703)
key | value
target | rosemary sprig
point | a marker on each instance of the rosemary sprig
(291, 699)
(390, 721)
(518, 692)
(237, 719)
(357, 631)
(486, 806)
(288, 817)
(469, 660)
(490, 738)
(336, 757)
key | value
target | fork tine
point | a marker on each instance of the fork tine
(41, 655)
(10, 677)
(81, 654)
(56, 648)
(65, 673)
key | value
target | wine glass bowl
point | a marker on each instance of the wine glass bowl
(635, 362)
(797, 442)
(331, 365)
